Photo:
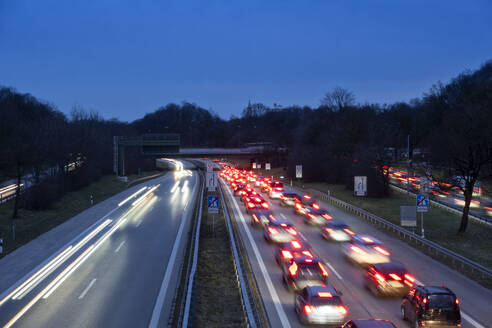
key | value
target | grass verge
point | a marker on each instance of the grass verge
(30, 224)
(217, 302)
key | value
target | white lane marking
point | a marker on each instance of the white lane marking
(118, 248)
(463, 314)
(283, 216)
(470, 320)
(334, 271)
(266, 276)
(87, 289)
(156, 313)
(138, 223)
(151, 208)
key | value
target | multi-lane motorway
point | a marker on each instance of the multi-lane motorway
(476, 301)
(120, 272)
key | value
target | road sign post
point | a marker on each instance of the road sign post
(408, 216)
(1, 245)
(254, 165)
(360, 186)
(212, 181)
(267, 166)
(213, 204)
(422, 201)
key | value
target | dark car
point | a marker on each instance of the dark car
(431, 306)
(369, 323)
(304, 271)
(304, 204)
(287, 251)
(336, 230)
(320, 305)
(391, 278)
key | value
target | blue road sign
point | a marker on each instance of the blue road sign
(422, 203)
(213, 204)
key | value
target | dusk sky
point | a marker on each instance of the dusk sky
(127, 58)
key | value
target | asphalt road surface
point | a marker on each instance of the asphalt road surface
(123, 274)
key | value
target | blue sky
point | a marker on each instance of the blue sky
(127, 58)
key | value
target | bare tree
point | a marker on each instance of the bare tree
(338, 99)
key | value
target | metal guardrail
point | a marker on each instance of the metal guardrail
(434, 248)
(446, 206)
(190, 273)
(249, 307)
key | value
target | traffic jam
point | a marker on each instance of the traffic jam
(447, 193)
(306, 275)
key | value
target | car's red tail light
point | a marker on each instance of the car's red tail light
(272, 231)
(456, 301)
(324, 272)
(395, 276)
(379, 277)
(327, 216)
(293, 269)
(287, 255)
(307, 196)
(316, 206)
(292, 231)
(329, 230)
(251, 205)
(382, 251)
(311, 217)
(350, 232)
(308, 309)
(299, 206)
(255, 218)
(424, 300)
(264, 205)
(296, 244)
(357, 250)
(283, 224)
(409, 277)
(324, 294)
(342, 310)
(307, 253)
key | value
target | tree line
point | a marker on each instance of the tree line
(450, 124)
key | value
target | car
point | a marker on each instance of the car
(248, 191)
(264, 184)
(255, 202)
(364, 249)
(390, 278)
(288, 199)
(287, 251)
(368, 323)
(431, 306)
(336, 230)
(279, 231)
(258, 180)
(275, 189)
(261, 217)
(320, 305)
(316, 216)
(304, 204)
(304, 271)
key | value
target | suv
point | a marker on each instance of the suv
(431, 306)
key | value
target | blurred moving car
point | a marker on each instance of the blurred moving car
(304, 271)
(279, 231)
(364, 249)
(391, 278)
(336, 230)
(275, 189)
(431, 306)
(261, 217)
(295, 248)
(315, 216)
(288, 198)
(320, 305)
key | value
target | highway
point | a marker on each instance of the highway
(121, 272)
(476, 301)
